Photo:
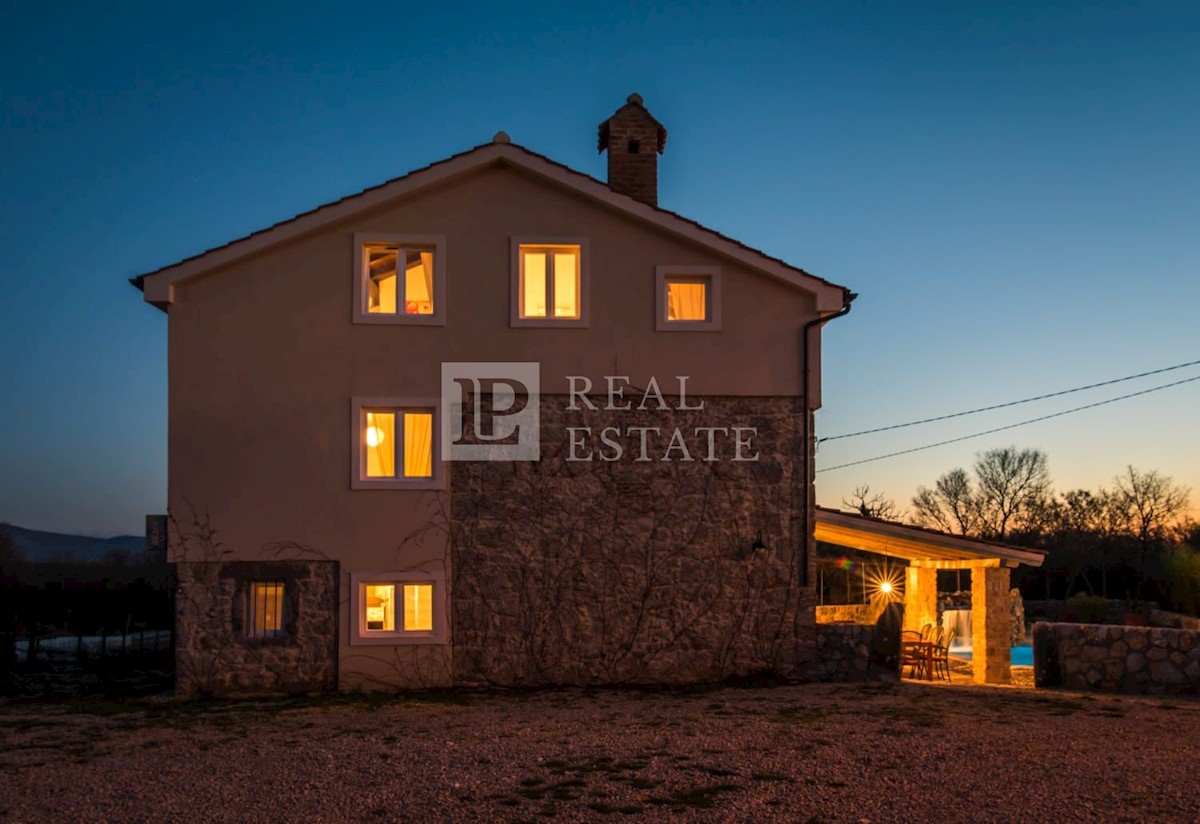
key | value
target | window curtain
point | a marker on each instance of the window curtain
(418, 445)
(686, 301)
(381, 444)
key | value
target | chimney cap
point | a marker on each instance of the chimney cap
(634, 103)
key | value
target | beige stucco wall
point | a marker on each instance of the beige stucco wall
(264, 359)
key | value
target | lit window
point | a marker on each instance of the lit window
(549, 282)
(379, 602)
(418, 607)
(264, 609)
(400, 279)
(688, 298)
(398, 608)
(395, 442)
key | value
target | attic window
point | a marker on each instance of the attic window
(635, 146)
(687, 298)
(400, 279)
(549, 282)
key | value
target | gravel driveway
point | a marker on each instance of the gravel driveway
(881, 752)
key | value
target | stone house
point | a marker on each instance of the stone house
(492, 422)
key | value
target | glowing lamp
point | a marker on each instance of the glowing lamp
(374, 436)
(886, 587)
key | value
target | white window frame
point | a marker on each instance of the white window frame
(361, 636)
(361, 273)
(515, 283)
(359, 406)
(709, 275)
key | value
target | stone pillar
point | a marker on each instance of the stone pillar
(991, 633)
(920, 597)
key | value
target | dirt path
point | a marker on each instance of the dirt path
(880, 752)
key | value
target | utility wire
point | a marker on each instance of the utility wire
(1011, 425)
(1010, 403)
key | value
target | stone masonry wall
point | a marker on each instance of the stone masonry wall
(843, 651)
(851, 613)
(636, 571)
(1117, 658)
(214, 655)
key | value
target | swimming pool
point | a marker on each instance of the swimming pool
(1022, 655)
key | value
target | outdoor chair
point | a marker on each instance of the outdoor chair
(940, 653)
(913, 646)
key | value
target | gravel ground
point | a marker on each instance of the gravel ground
(878, 752)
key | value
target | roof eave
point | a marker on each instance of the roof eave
(157, 286)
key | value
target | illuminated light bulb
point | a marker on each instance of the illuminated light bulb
(374, 436)
(885, 587)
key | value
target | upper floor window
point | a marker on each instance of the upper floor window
(395, 444)
(549, 282)
(687, 298)
(400, 279)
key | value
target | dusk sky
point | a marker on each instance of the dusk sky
(1012, 188)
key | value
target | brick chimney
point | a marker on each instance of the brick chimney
(634, 140)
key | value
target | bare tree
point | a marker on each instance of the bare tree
(950, 506)
(1149, 505)
(1010, 491)
(1013, 490)
(870, 505)
(1078, 526)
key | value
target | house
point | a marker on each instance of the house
(492, 422)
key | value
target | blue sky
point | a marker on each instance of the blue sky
(1011, 188)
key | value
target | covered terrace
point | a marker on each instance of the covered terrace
(928, 551)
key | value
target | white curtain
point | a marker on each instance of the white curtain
(685, 301)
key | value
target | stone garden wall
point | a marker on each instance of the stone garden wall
(214, 655)
(636, 571)
(1127, 659)
(1173, 620)
(851, 613)
(843, 652)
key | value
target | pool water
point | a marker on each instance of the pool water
(1022, 655)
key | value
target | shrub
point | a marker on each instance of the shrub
(1086, 609)
(1181, 573)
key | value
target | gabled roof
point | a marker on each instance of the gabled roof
(157, 286)
(914, 543)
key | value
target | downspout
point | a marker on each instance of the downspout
(811, 458)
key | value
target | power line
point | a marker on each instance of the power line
(1009, 403)
(1011, 425)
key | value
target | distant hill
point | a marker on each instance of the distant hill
(39, 546)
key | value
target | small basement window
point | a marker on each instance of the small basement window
(687, 298)
(264, 609)
(400, 279)
(398, 608)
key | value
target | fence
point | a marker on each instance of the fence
(66, 638)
